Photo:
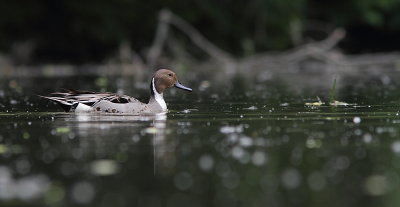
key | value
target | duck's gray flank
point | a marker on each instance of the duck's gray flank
(86, 101)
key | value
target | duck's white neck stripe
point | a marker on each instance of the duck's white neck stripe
(158, 97)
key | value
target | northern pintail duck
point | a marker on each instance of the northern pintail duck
(85, 101)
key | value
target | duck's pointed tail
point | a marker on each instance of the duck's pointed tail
(66, 105)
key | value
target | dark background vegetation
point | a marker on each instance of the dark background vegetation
(72, 31)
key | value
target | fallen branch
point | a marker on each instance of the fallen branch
(166, 19)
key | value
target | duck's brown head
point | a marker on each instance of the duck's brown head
(164, 79)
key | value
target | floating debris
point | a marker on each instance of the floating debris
(252, 108)
(186, 111)
(332, 101)
(340, 103)
(318, 103)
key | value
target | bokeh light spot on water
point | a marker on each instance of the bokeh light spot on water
(206, 162)
(121, 157)
(396, 147)
(259, 158)
(291, 178)
(313, 143)
(340, 162)
(245, 141)
(104, 167)
(7, 189)
(357, 132)
(62, 130)
(360, 153)
(356, 120)
(3, 148)
(54, 194)
(77, 153)
(26, 135)
(31, 187)
(367, 138)
(151, 130)
(376, 185)
(136, 138)
(246, 158)
(230, 180)
(24, 188)
(23, 166)
(316, 181)
(82, 192)
(238, 152)
(231, 129)
(68, 168)
(183, 181)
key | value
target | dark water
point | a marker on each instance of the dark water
(245, 144)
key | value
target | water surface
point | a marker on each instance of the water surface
(249, 144)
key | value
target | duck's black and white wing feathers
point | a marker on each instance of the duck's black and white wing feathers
(69, 99)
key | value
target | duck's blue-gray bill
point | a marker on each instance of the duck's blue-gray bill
(179, 85)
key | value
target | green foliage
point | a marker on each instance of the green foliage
(369, 12)
(81, 31)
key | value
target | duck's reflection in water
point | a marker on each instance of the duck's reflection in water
(138, 140)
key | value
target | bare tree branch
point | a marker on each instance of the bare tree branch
(166, 19)
(159, 40)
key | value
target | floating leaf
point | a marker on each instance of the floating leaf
(339, 103)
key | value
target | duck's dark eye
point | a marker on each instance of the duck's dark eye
(170, 74)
